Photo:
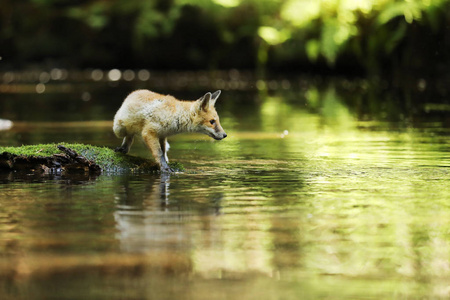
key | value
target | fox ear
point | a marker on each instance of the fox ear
(214, 97)
(204, 102)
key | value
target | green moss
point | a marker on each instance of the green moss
(177, 166)
(106, 158)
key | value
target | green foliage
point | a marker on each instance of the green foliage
(212, 33)
(94, 15)
(353, 20)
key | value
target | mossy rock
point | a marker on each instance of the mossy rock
(105, 158)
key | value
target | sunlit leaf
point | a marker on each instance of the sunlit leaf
(312, 49)
(329, 47)
(272, 36)
(333, 36)
(227, 3)
(300, 12)
(410, 11)
(357, 5)
(390, 13)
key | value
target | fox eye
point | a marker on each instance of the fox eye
(212, 122)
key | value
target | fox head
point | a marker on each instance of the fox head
(206, 119)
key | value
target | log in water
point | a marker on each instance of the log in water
(72, 158)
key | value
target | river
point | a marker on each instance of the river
(312, 195)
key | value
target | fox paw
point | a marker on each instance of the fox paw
(121, 150)
(167, 170)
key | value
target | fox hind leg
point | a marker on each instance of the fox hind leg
(126, 144)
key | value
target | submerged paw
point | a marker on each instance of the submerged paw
(167, 170)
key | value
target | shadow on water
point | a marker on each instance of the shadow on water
(33, 177)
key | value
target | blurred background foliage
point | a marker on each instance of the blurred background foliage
(363, 37)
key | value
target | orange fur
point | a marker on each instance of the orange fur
(154, 117)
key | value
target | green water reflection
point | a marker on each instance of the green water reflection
(304, 200)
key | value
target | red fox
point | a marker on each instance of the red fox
(154, 117)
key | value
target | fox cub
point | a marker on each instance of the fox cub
(154, 117)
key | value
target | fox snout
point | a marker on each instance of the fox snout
(220, 136)
(218, 133)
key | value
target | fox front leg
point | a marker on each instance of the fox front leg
(126, 144)
(154, 144)
(165, 147)
(165, 165)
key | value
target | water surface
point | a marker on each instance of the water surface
(307, 198)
